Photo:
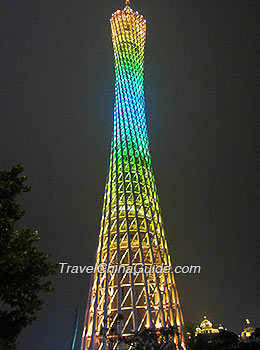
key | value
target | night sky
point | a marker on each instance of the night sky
(202, 104)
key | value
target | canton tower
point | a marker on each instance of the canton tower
(122, 303)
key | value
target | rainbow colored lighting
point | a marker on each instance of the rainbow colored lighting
(131, 232)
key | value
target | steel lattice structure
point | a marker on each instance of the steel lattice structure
(131, 227)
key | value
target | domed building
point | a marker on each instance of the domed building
(206, 327)
(247, 331)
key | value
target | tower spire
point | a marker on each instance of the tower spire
(127, 2)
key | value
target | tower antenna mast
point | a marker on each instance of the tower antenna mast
(127, 2)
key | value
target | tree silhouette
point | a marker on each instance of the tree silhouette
(256, 334)
(22, 265)
(153, 339)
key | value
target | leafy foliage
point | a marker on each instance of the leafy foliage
(154, 339)
(228, 339)
(256, 334)
(148, 339)
(22, 265)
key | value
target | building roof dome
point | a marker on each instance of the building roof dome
(206, 323)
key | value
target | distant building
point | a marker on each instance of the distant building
(247, 331)
(206, 327)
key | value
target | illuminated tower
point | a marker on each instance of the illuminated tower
(122, 303)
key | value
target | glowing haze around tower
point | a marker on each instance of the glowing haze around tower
(131, 232)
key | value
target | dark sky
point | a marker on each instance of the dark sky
(202, 102)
